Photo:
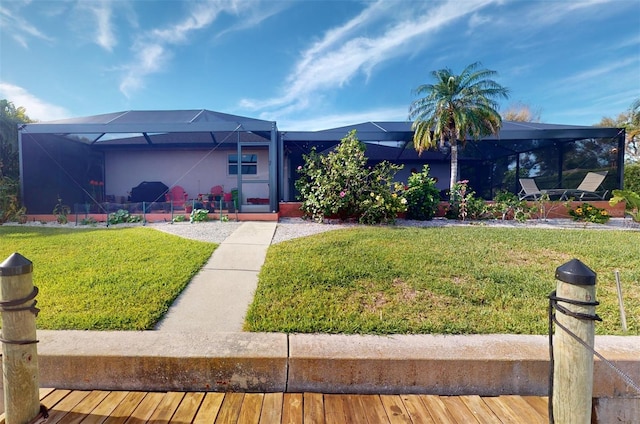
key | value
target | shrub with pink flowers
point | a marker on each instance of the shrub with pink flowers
(340, 184)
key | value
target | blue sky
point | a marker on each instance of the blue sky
(314, 64)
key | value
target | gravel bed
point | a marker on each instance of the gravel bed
(212, 231)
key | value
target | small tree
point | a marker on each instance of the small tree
(340, 184)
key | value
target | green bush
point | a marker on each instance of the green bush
(10, 208)
(340, 184)
(422, 196)
(632, 177)
(199, 215)
(508, 206)
(632, 202)
(122, 216)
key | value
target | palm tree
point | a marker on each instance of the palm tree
(456, 106)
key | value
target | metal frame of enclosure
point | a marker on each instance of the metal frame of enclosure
(58, 158)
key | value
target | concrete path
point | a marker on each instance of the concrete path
(217, 298)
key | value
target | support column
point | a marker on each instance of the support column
(573, 361)
(19, 352)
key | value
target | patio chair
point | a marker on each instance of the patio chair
(529, 189)
(177, 196)
(217, 192)
(588, 188)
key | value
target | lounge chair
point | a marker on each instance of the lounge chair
(529, 190)
(588, 188)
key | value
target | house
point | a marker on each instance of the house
(103, 158)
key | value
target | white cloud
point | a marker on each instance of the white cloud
(344, 52)
(102, 13)
(19, 29)
(36, 108)
(153, 49)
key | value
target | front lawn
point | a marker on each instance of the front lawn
(456, 280)
(104, 279)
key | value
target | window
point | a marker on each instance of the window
(249, 164)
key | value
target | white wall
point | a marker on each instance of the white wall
(195, 171)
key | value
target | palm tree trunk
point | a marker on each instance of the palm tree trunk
(454, 169)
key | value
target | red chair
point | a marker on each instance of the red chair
(217, 192)
(177, 196)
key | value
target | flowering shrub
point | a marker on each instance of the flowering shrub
(422, 196)
(464, 204)
(340, 184)
(589, 213)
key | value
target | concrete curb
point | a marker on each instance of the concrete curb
(484, 365)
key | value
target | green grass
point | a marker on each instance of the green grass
(105, 279)
(437, 280)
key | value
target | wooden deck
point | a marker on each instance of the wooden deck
(66, 406)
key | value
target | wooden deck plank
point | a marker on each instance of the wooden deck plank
(333, 409)
(167, 407)
(51, 398)
(480, 410)
(416, 409)
(271, 408)
(313, 408)
(458, 409)
(91, 407)
(524, 410)
(209, 408)
(292, 408)
(251, 408)
(373, 409)
(145, 409)
(353, 410)
(538, 403)
(230, 408)
(124, 410)
(105, 408)
(44, 391)
(188, 408)
(437, 409)
(85, 407)
(64, 407)
(396, 411)
(500, 406)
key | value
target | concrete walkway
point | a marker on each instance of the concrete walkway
(217, 298)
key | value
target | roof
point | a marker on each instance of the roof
(135, 125)
(202, 128)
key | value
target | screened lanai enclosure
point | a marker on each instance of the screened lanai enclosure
(556, 156)
(176, 159)
(151, 161)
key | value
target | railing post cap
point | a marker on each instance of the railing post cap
(576, 273)
(16, 264)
